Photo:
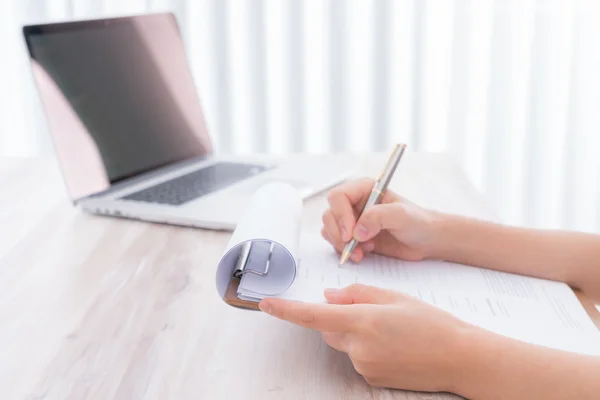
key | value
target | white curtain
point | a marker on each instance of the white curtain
(510, 87)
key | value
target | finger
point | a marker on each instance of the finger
(325, 235)
(342, 200)
(333, 230)
(361, 294)
(361, 250)
(358, 253)
(377, 218)
(357, 190)
(321, 317)
(336, 340)
(368, 246)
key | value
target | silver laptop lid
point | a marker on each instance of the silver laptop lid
(119, 98)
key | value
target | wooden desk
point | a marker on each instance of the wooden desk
(101, 308)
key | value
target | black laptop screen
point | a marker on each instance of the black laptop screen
(119, 98)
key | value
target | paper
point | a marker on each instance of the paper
(299, 268)
(270, 229)
(529, 309)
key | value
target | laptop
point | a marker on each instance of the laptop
(129, 132)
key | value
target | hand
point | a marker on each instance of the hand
(393, 340)
(395, 227)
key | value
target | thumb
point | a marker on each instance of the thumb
(377, 218)
(361, 294)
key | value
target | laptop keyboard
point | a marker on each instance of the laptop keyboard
(188, 187)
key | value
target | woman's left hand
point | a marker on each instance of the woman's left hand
(393, 340)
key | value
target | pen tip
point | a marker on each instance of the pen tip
(345, 256)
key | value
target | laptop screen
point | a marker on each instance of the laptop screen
(119, 98)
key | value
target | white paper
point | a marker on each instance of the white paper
(273, 213)
(532, 310)
(529, 309)
(272, 217)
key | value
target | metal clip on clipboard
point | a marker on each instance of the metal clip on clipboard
(260, 259)
(251, 252)
(261, 268)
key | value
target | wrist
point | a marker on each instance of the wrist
(487, 364)
(444, 236)
(466, 358)
(458, 239)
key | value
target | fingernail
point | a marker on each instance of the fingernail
(344, 234)
(361, 232)
(265, 307)
(332, 291)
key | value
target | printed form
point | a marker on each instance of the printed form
(529, 309)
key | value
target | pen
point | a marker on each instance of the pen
(379, 189)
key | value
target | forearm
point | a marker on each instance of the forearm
(569, 257)
(496, 367)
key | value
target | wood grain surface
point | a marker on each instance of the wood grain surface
(102, 308)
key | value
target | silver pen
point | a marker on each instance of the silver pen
(379, 189)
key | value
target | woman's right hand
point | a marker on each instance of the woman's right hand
(395, 227)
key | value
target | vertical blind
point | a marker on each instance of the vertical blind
(511, 88)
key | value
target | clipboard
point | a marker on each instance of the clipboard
(261, 257)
